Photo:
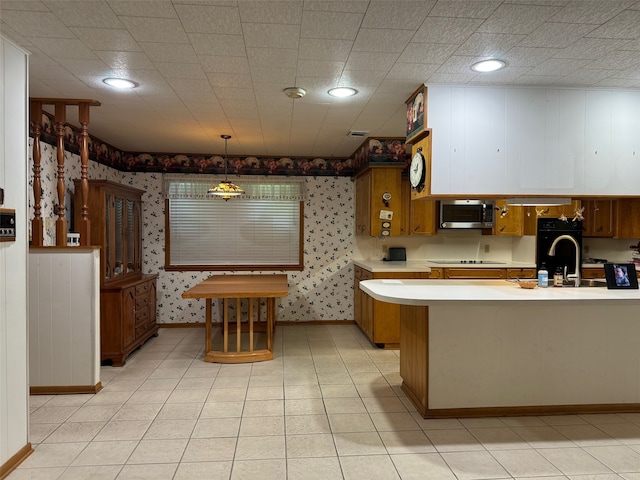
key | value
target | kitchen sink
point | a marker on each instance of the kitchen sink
(589, 282)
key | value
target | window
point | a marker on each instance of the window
(262, 230)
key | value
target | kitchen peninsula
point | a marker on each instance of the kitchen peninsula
(488, 347)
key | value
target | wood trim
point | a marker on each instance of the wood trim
(278, 323)
(11, 464)
(65, 389)
(529, 410)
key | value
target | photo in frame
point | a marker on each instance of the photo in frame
(416, 115)
(620, 275)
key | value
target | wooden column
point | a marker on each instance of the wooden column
(61, 222)
(83, 223)
(37, 227)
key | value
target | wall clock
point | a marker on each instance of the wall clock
(417, 172)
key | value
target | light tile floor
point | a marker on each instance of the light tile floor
(329, 406)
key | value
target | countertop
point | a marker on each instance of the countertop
(428, 292)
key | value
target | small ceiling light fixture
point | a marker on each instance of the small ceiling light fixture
(342, 92)
(295, 92)
(120, 83)
(490, 65)
(225, 189)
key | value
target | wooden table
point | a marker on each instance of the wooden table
(252, 288)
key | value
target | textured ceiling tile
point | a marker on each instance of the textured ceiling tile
(529, 56)
(386, 14)
(590, 11)
(518, 19)
(619, 60)
(446, 30)
(625, 25)
(586, 77)
(230, 80)
(209, 19)
(456, 8)
(591, 48)
(489, 44)
(382, 40)
(137, 8)
(270, 12)
(208, 44)
(85, 67)
(38, 57)
(31, 6)
(269, 35)
(324, 49)
(314, 68)
(427, 52)
(36, 24)
(457, 78)
(506, 76)
(371, 61)
(224, 64)
(330, 25)
(174, 52)
(284, 76)
(272, 57)
(84, 13)
(556, 35)
(190, 88)
(617, 83)
(417, 72)
(64, 48)
(458, 64)
(560, 66)
(362, 78)
(117, 39)
(161, 30)
(126, 61)
(181, 70)
(346, 6)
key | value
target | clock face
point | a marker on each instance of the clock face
(417, 171)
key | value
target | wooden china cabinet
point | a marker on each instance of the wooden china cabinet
(127, 296)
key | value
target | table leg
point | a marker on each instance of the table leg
(225, 326)
(270, 320)
(251, 300)
(207, 327)
(238, 325)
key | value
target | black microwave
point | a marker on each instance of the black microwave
(466, 214)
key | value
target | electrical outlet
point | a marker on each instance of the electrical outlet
(487, 248)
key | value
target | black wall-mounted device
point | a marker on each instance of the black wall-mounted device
(7, 225)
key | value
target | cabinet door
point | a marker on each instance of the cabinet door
(423, 217)
(509, 219)
(513, 273)
(152, 303)
(598, 218)
(109, 240)
(598, 160)
(128, 316)
(363, 204)
(627, 223)
(626, 142)
(130, 236)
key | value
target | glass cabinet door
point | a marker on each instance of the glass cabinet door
(130, 237)
(108, 240)
(118, 268)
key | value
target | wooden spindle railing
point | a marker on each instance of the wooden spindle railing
(37, 227)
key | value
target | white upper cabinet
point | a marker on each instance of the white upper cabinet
(534, 141)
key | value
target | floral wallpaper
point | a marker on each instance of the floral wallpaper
(322, 291)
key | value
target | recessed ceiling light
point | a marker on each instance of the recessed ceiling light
(488, 66)
(120, 83)
(342, 92)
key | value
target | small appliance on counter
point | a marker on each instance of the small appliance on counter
(396, 254)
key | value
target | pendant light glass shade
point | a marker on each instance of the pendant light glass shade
(225, 189)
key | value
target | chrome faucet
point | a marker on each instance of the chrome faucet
(552, 252)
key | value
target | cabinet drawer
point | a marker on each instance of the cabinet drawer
(142, 288)
(470, 273)
(142, 315)
(593, 272)
(142, 302)
(521, 273)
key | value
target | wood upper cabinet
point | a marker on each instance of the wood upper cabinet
(531, 214)
(379, 190)
(419, 216)
(598, 218)
(509, 219)
(627, 223)
(127, 296)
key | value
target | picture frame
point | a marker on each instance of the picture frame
(620, 275)
(416, 115)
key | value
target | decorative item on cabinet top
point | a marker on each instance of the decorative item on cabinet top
(380, 151)
(417, 115)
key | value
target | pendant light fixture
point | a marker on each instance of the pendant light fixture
(225, 189)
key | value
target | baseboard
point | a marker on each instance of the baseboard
(65, 389)
(278, 322)
(11, 464)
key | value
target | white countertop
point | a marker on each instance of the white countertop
(427, 292)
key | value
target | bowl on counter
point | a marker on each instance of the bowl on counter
(529, 284)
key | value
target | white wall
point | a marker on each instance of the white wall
(13, 255)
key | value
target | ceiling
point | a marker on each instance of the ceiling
(206, 68)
